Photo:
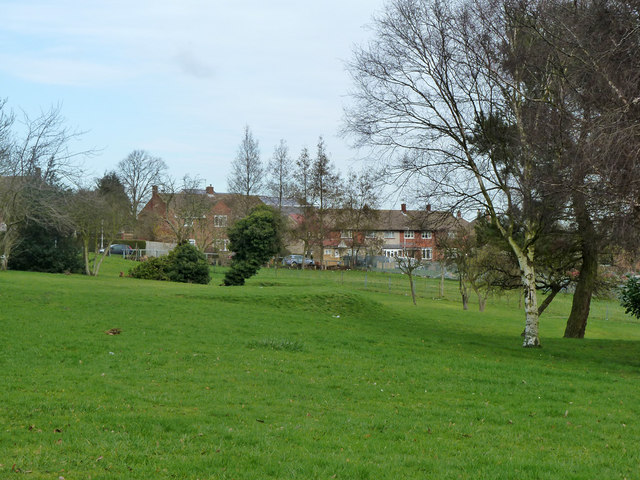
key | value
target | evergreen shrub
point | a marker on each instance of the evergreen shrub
(630, 297)
(185, 264)
(155, 268)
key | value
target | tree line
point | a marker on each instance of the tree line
(48, 213)
(48, 210)
(311, 182)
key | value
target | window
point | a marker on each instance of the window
(426, 235)
(222, 244)
(336, 253)
(327, 251)
(371, 235)
(346, 234)
(427, 253)
(409, 234)
(389, 234)
(219, 220)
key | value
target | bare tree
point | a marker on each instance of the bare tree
(34, 166)
(326, 188)
(302, 177)
(99, 215)
(305, 228)
(246, 176)
(139, 172)
(408, 265)
(580, 84)
(187, 210)
(358, 211)
(431, 93)
(593, 45)
(280, 182)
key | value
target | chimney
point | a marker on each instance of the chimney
(459, 214)
(428, 207)
(403, 207)
(154, 190)
(38, 172)
(210, 190)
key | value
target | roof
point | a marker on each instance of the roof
(416, 220)
(230, 199)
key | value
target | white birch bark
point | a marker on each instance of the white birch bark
(525, 260)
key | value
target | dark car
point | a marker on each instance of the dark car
(120, 249)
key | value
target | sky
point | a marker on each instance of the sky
(181, 79)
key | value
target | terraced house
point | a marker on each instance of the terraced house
(202, 216)
(393, 233)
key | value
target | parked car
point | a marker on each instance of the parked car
(120, 249)
(296, 260)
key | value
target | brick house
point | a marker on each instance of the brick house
(203, 216)
(394, 233)
(198, 216)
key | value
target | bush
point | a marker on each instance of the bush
(253, 239)
(185, 264)
(45, 249)
(239, 271)
(630, 297)
(153, 269)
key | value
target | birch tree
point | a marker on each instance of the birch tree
(589, 49)
(427, 88)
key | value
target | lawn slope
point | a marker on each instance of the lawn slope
(304, 375)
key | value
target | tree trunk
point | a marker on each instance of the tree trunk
(8, 243)
(413, 288)
(547, 301)
(525, 261)
(531, 338)
(97, 262)
(464, 292)
(442, 272)
(577, 321)
(482, 302)
(85, 255)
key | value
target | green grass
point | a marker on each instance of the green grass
(305, 375)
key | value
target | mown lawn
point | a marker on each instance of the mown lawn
(305, 375)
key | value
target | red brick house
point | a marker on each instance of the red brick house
(198, 216)
(394, 233)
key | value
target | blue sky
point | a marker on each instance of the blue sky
(182, 78)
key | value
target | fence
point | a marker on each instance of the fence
(157, 249)
(388, 281)
(431, 268)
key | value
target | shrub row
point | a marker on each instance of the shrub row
(185, 263)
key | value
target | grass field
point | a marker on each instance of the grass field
(305, 375)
